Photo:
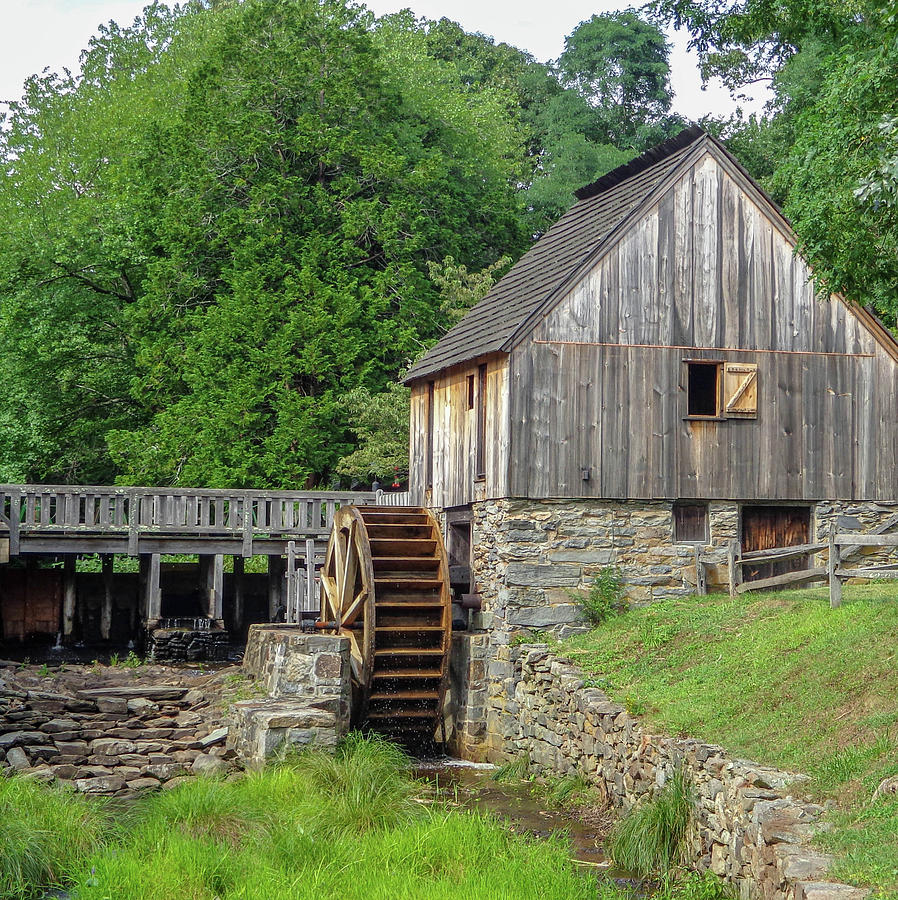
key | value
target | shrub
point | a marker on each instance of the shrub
(605, 598)
(651, 838)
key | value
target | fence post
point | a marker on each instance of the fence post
(310, 576)
(835, 582)
(732, 549)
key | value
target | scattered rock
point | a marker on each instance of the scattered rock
(101, 784)
(17, 759)
(215, 737)
(208, 765)
(888, 787)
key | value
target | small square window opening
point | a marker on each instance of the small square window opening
(703, 389)
(690, 523)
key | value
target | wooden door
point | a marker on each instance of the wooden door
(767, 527)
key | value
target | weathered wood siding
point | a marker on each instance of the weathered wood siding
(454, 481)
(708, 273)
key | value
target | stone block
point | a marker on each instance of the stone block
(100, 784)
(544, 616)
(17, 759)
(825, 890)
(536, 575)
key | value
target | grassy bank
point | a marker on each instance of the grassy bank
(782, 679)
(352, 826)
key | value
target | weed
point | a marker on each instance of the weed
(515, 770)
(113, 660)
(44, 671)
(634, 705)
(651, 838)
(132, 661)
(605, 598)
(566, 791)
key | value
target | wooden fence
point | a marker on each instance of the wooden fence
(840, 547)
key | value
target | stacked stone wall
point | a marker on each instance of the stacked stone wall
(751, 825)
(306, 680)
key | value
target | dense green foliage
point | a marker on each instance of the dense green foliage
(827, 147)
(228, 220)
(782, 679)
(45, 836)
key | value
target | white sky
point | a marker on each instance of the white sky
(39, 33)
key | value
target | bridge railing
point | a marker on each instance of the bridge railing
(36, 509)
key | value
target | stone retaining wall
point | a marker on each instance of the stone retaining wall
(306, 678)
(182, 645)
(751, 825)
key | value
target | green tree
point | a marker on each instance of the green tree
(242, 202)
(619, 63)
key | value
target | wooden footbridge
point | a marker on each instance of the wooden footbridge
(290, 528)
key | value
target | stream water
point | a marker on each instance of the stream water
(472, 786)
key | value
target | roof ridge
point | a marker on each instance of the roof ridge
(642, 162)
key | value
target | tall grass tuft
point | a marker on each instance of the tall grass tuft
(45, 835)
(651, 838)
(365, 785)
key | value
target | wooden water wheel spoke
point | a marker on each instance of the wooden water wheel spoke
(385, 585)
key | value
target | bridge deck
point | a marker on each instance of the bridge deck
(133, 520)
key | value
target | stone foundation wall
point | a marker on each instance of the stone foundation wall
(530, 556)
(306, 677)
(751, 825)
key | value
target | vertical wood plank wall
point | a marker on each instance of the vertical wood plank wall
(706, 274)
(455, 433)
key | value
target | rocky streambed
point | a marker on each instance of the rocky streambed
(115, 730)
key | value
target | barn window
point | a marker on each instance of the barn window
(480, 443)
(703, 389)
(471, 392)
(690, 523)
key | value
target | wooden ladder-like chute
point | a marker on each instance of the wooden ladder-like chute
(385, 585)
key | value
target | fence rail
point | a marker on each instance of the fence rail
(839, 547)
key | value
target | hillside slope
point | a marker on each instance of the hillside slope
(782, 679)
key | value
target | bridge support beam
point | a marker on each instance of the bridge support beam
(151, 586)
(69, 595)
(276, 571)
(212, 575)
(237, 617)
(106, 611)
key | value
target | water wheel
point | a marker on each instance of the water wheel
(385, 585)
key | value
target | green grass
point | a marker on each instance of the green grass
(782, 679)
(45, 836)
(353, 825)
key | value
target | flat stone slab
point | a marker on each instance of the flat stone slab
(128, 691)
(826, 890)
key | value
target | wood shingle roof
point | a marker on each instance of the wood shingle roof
(496, 321)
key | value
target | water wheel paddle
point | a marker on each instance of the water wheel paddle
(385, 586)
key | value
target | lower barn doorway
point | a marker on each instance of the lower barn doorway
(767, 527)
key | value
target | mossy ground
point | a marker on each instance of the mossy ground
(782, 679)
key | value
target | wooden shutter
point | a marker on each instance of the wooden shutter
(740, 390)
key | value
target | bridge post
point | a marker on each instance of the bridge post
(238, 593)
(106, 611)
(69, 594)
(212, 575)
(153, 600)
(275, 587)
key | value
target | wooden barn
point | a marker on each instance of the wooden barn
(652, 380)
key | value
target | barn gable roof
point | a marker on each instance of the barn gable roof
(494, 323)
(604, 209)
